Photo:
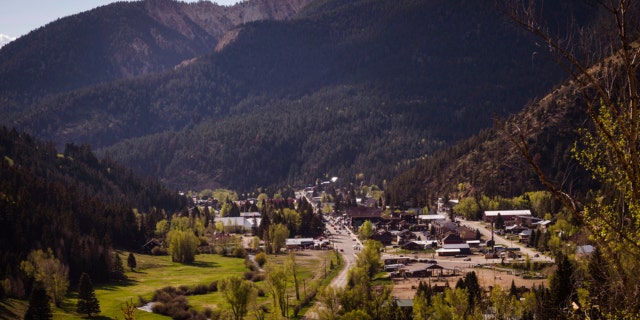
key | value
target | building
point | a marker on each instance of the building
(452, 238)
(507, 215)
(299, 243)
(358, 215)
(237, 224)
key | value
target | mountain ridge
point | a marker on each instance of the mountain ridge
(120, 40)
(368, 84)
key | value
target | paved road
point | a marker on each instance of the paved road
(343, 241)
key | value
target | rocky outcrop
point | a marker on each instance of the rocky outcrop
(216, 20)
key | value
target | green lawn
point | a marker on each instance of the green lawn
(156, 272)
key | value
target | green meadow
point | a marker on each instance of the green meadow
(157, 272)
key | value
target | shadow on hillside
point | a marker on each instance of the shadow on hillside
(98, 317)
(117, 284)
(205, 264)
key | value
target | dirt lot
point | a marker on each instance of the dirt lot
(406, 288)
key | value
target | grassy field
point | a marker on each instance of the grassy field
(156, 272)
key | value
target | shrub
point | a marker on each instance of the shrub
(200, 289)
(239, 252)
(158, 251)
(261, 259)
(258, 276)
(185, 290)
(213, 286)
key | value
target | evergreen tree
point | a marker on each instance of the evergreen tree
(39, 307)
(118, 267)
(87, 301)
(561, 283)
(473, 288)
(513, 290)
(499, 224)
(598, 272)
(426, 291)
(131, 261)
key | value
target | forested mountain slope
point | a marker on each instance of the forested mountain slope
(73, 203)
(120, 40)
(348, 88)
(489, 163)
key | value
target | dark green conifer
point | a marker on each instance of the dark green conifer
(87, 301)
(131, 261)
(39, 306)
(118, 267)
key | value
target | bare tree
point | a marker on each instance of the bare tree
(602, 62)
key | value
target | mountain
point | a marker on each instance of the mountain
(355, 89)
(121, 40)
(488, 163)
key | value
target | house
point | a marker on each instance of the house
(237, 224)
(473, 243)
(507, 215)
(358, 215)
(427, 218)
(442, 252)
(462, 248)
(524, 235)
(584, 251)
(514, 229)
(405, 236)
(543, 225)
(452, 238)
(442, 227)
(467, 233)
(420, 244)
(527, 221)
(383, 236)
(405, 306)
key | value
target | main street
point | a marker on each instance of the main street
(343, 241)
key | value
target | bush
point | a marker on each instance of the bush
(200, 289)
(261, 259)
(213, 286)
(258, 276)
(158, 251)
(185, 290)
(221, 250)
(239, 252)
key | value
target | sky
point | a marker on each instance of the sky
(18, 17)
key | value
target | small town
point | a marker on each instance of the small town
(320, 160)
